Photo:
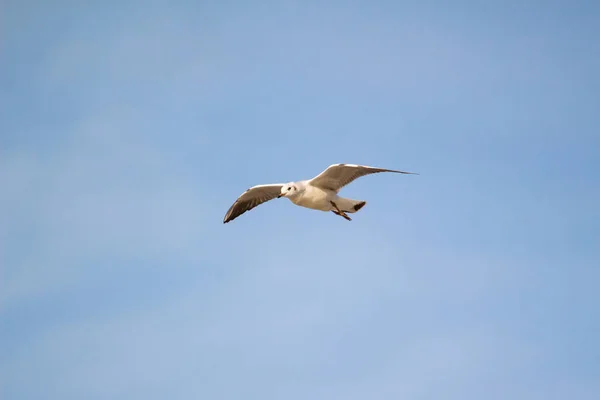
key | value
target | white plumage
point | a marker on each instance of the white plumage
(318, 193)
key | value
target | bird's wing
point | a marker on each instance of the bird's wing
(337, 176)
(251, 198)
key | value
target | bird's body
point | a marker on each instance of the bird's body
(311, 197)
(319, 193)
(320, 199)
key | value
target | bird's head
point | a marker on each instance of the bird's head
(288, 190)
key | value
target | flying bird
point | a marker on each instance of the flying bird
(318, 193)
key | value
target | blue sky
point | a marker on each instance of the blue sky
(128, 128)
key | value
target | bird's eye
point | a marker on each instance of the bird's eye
(289, 189)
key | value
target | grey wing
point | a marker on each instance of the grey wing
(251, 198)
(337, 176)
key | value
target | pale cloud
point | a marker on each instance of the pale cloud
(105, 189)
(282, 315)
(120, 280)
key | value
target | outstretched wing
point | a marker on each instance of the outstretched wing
(251, 198)
(337, 176)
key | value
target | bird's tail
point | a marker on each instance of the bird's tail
(351, 206)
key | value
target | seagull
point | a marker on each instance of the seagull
(318, 193)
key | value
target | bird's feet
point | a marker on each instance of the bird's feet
(339, 212)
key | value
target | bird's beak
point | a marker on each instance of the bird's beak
(280, 194)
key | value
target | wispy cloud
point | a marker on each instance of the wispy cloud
(131, 130)
(104, 191)
(280, 318)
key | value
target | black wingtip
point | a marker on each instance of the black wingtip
(359, 205)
